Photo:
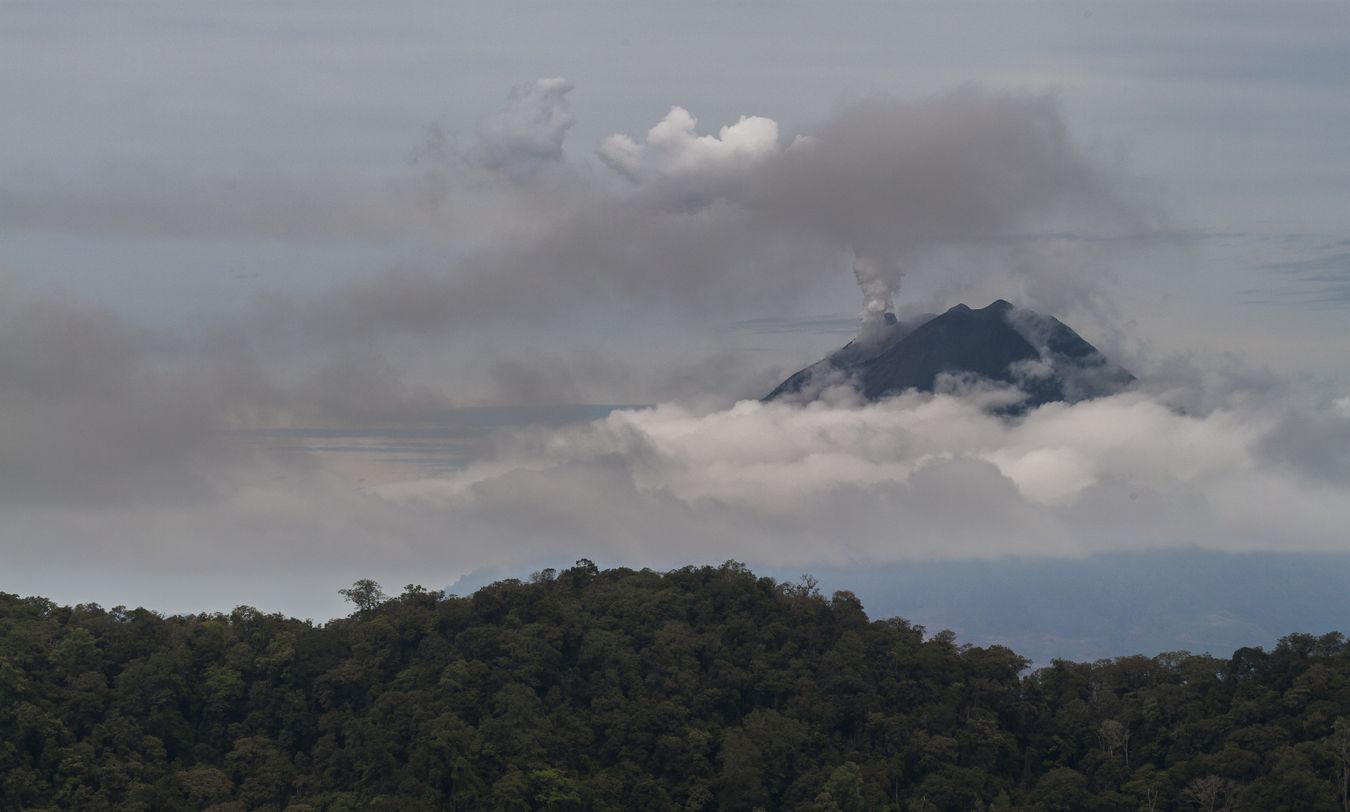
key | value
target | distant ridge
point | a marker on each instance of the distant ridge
(1000, 344)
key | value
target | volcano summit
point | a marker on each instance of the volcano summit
(1007, 347)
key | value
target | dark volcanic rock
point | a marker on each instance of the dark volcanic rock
(999, 344)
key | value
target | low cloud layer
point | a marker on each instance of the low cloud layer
(914, 478)
(918, 477)
(122, 454)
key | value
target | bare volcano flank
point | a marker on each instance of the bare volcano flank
(1002, 345)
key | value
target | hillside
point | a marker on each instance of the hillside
(701, 688)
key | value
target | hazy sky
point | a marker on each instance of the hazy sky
(221, 220)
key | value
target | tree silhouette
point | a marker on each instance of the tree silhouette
(365, 593)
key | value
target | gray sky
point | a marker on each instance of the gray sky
(217, 219)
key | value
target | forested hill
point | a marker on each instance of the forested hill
(698, 689)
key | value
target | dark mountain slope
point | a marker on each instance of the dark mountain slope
(1039, 355)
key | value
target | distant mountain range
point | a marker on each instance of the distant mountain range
(1006, 346)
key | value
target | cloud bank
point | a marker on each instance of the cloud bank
(916, 477)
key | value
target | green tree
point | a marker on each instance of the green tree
(365, 594)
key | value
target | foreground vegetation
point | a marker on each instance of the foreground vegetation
(697, 689)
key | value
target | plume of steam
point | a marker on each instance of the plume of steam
(878, 294)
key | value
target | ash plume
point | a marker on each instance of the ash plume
(890, 182)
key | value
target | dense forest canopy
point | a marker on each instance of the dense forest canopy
(703, 688)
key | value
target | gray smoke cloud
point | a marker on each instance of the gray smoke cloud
(510, 176)
(746, 221)
(695, 226)
(893, 182)
(96, 410)
(698, 226)
(531, 129)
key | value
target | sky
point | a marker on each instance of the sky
(297, 293)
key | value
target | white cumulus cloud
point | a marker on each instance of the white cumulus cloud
(913, 477)
(673, 148)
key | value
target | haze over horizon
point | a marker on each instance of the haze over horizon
(294, 294)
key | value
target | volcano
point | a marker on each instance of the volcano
(1037, 358)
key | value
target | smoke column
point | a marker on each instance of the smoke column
(877, 294)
